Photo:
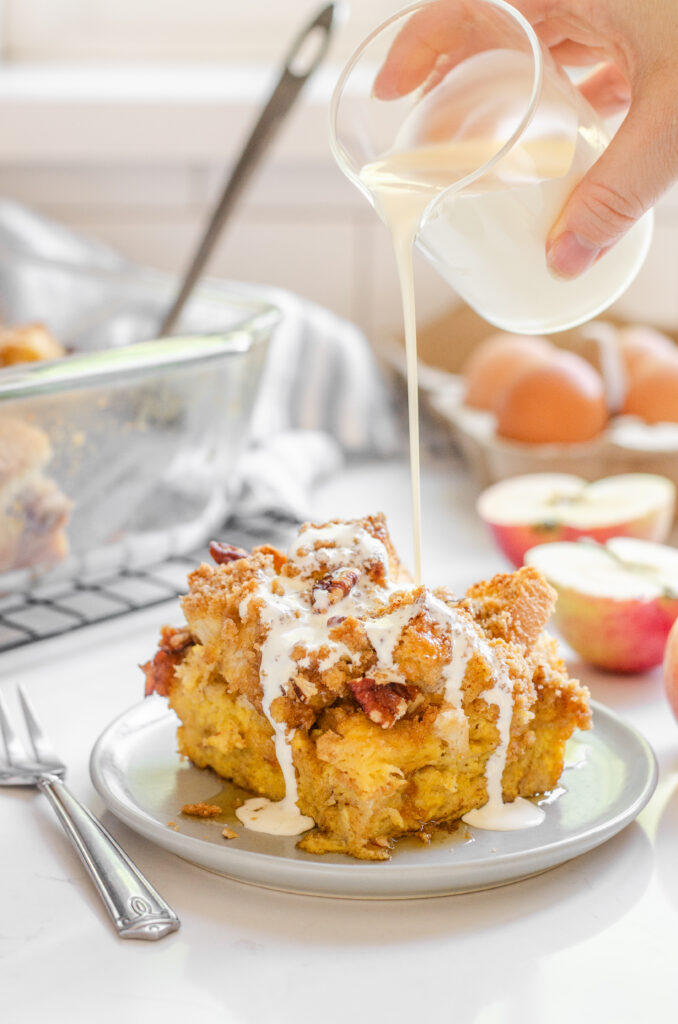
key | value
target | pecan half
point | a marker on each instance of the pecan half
(159, 671)
(334, 587)
(383, 703)
(223, 553)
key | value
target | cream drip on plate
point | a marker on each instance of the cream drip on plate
(294, 619)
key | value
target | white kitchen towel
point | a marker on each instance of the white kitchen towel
(322, 400)
(277, 476)
(321, 374)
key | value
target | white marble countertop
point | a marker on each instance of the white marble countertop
(592, 940)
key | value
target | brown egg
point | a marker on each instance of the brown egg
(496, 363)
(560, 401)
(642, 345)
(653, 394)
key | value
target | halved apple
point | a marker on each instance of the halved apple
(670, 668)
(545, 507)
(616, 601)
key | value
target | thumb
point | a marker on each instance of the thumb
(639, 164)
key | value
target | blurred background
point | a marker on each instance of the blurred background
(121, 119)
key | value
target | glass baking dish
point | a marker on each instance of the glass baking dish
(122, 453)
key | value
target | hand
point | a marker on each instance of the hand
(634, 47)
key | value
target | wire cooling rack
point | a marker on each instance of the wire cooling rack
(62, 607)
(46, 611)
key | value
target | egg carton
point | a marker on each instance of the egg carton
(628, 445)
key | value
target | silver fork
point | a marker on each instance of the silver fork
(136, 909)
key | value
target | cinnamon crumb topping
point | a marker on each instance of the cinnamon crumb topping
(201, 810)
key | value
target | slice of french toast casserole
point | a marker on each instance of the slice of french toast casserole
(357, 706)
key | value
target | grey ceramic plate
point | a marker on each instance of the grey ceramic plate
(611, 774)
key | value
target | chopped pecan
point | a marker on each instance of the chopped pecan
(335, 620)
(159, 671)
(222, 553)
(383, 703)
(304, 688)
(176, 639)
(334, 587)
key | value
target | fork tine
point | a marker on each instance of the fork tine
(41, 745)
(15, 749)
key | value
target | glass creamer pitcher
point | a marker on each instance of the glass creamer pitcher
(480, 156)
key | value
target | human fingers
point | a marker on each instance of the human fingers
(436, 39)
(570, 53)
(636, 168)
(415, 51)
(607, 90)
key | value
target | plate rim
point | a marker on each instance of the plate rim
(393, 878)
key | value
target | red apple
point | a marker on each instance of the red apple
(671, 668)
(546, 507)
(616, 601)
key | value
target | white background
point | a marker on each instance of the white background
(86, 30)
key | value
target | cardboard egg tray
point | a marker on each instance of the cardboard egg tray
(626, 446)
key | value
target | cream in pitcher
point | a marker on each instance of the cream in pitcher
(475, 166)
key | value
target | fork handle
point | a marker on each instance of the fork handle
(136, 909)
